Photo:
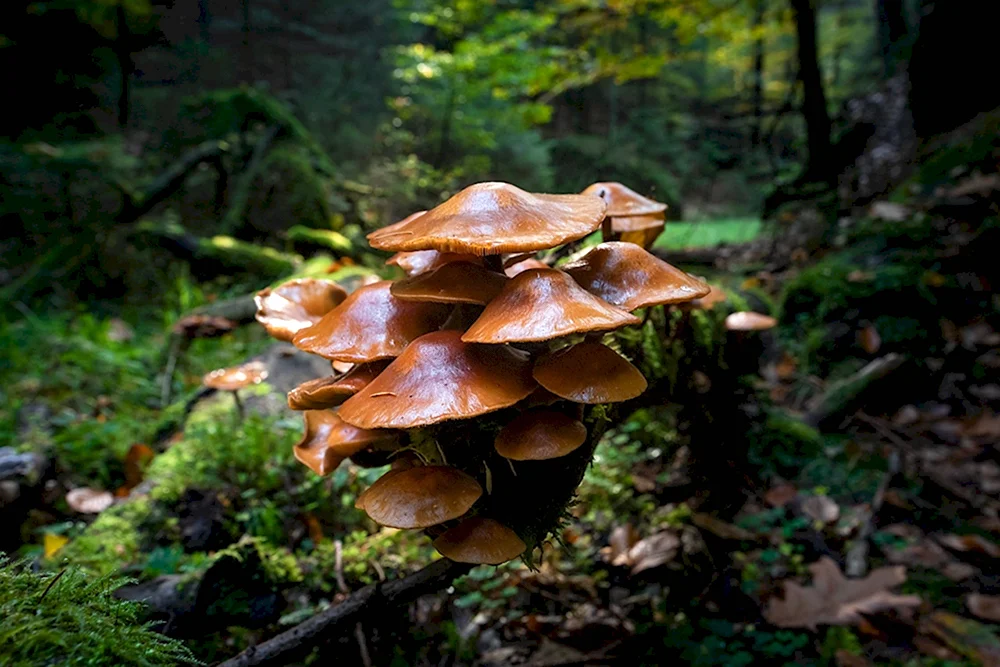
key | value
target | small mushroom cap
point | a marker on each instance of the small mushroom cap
(422, 261)
(707, 302)
(749, 321)
(328, 440)
(370, 325)
(290, 307)
(524, 265)
(541, 304)
(439, 378)
(236, 378)
(480, 540)
(589, 373)
(637, 223)
(540, 435)
(420, 497)
(331, 391)
(625, 275)
(456, 282)
(494, 218)
(623, 201)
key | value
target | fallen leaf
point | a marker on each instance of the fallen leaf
(906, 415)
(889, 211)
(622, 537)
(750, 283)
(137, 459)
(974, 543)
(833, 599)
(89, 501)
(869, 339)
(821, 508)
(786, 367)
(859, 276)
(52, 543)
(845, 658)
(781, 495)
(720, 528)
(986, 607)
(964, 636)
(986, 425)
(653, 551)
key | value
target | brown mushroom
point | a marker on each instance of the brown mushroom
(623, 201)
(456, 282)
(707, 302)
(331, 391)
(419, 497)
(371, 324)
(749, 321)
(642, 230)
(292, 306)
(480, 540)
(495, 218)
(541, 304)
(236, 378)
(589, 373)
(539, 435)
(524, 265)
(439, 378)
(422, 261)
(625, 275)
(328, 440)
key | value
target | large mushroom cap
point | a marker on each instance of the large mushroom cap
(439, 378)
(494, 218)
(749, 321)
(371, 324)
(290, 307)
(541, 304)
(328, 440)
(480, 540)
(421, 261)
(236, 378)
(540, 435)
(420, 497)
(623, 201)
(456, 282)
(331, 391)
(589, 373)
(625, 275)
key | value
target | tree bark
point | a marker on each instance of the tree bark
(125, 65)
(892, 32)
(813, 96)
(248, 60)
(758, 73)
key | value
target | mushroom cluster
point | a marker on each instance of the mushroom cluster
(483, 377)
(630, 216)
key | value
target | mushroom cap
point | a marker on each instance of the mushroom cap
(624, 201)
(589, 373)
(370, 325)
(292, 306)
(455, 282)
(715, 295)
(637, 223)
(439, 378)
(745, 320)
(539, 435)
(421, 261)
(524, 265)
(419, 497)
(236, 378)
(331, 391)
(328, 440)
(480, 540)
(625, 275)
(494, 218)
(541, 304)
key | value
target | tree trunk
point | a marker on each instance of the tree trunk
(758, 72)
(814, 98)
(892, 32)
(125, 66)
(248, 60)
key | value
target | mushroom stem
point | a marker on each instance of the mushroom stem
(239, 405)
(494, 263)
(607, 233)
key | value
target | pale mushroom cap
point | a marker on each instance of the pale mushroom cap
(236, 378)
(625, 275)
(541, 304)
(495, 218)
(440, 378)
(637, 223)
(540, 435)
(420, 497)
(589, 373)
(292, 306)
(456, 282)
(331, 391)
(749, 321)
(370, 324)
(328, 440)
(421, 261)
(624, 201)
(480, 540)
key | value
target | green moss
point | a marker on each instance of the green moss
(113, 542)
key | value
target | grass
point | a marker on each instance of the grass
(702, 233)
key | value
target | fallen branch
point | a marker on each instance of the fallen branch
(343, 617)
(856, 563)
(839, 397)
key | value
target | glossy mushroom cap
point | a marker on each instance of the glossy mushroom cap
(419, 497)
(287, 309)
(480, 540)
(439, 378)
(371, 324)
(524, 265)
(328, 440)
(625, 275)
(589, 373)
(541, 304)
(236, 378)
(456, 282)
(749, 321)
(331, 391)
(540, 435)
(422, 261)
(623, 201)
(494, 218)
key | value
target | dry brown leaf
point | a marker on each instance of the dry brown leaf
(984, 606)
(986, 425)
(720, 528)
(974, 543)
(964, 636)
(833, 599)
(869, 339)
(138, 458)
(906, 415)
(619, 542)
(780, 495)
(845, 658)
(89, 501)
(653, 551)
(821, 508)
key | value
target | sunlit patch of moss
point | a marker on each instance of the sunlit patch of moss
(278, 563)
(396, 552)
(113, 542)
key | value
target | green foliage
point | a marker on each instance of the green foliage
(72, 618)
(113, 542)
(708, 642)
(679, 235)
